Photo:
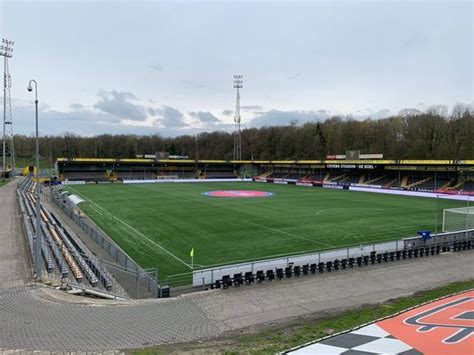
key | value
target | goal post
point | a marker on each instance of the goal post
(458, 219)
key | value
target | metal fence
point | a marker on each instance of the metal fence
(209, 276)
(136, 281)
(439, 239)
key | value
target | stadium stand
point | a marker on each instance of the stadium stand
(445, 176)
(220, 175)
(351, 179)
(135, 175)
(468, 185)
(88, 175)
(318, 176)
(62, 253)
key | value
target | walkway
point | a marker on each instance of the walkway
(39, 318)
(14, 265)
(46, 319)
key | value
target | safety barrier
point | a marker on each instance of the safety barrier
(137, 282)
(285, 267)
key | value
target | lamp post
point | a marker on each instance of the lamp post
(38, 241)
(6, 49)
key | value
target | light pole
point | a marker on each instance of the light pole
(38, 204)
(238, 80)
(6, 49)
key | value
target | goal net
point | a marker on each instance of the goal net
(456, 219)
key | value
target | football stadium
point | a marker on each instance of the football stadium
(246, 177)
(157, 216)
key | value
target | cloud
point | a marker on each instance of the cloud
(204, 117)
(81, 121)
(157, 67)
(283, 118)
(294, 76)
(76, 106)
(369, 113)
(252, 108)
(193, 84)
(170, 117)
(228, 112)
(120, 105)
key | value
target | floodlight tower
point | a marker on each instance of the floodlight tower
(238, 80)
(6, 50)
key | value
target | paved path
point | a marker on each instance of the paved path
(14, 265)
(40, 318)
(46, 319)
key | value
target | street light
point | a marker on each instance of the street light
(38, 205)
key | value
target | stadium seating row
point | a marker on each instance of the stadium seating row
(259, 276)
(67, 253)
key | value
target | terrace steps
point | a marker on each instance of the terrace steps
(375, 179)
(419, 182)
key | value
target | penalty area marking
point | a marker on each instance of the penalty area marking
(138, 232)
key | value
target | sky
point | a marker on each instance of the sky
(152, 67)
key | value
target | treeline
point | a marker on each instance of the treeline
(434, 134)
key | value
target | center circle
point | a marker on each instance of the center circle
(237, 193)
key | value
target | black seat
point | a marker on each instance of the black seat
(366, 259)
(321, 268)
(226, 281)
(305, 269)
(343, 264)
(238, 279)
(249, 278)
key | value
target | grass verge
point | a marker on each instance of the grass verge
(283, 337)
(3, 181)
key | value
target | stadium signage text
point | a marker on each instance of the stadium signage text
(351, 166)
(333, 186)
(304, 183)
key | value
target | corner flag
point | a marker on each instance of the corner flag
(191, 253)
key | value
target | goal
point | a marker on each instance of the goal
(457, 219)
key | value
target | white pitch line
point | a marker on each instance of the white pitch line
(287, 233)
(95, 209)
(139, 233)
(317, 213)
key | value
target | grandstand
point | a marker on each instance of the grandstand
(416, 175)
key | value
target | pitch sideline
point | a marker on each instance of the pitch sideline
(136, 231)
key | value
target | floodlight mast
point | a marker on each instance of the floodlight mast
(6, 50)
(238, 80)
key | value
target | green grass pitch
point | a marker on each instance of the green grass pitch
(158, 224)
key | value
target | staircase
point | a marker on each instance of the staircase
(419, 182)
(339, 177)
(361, 179)
(391, 182)
(326, 178)
(268, 173)
(374, 180)
(455, 187)
(404, 182)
